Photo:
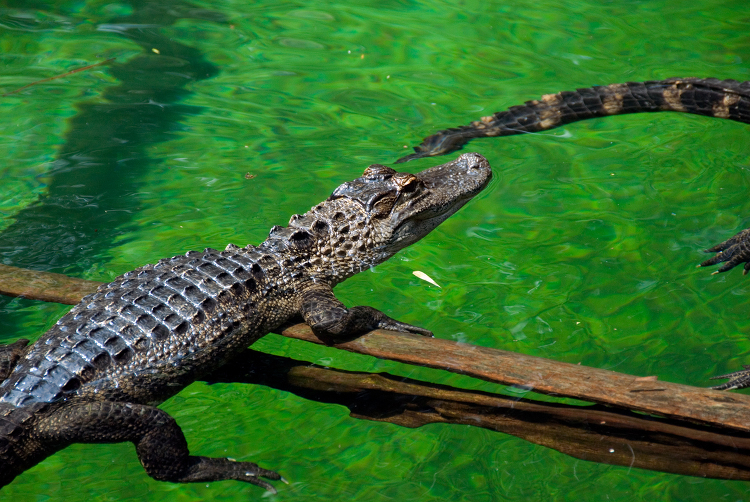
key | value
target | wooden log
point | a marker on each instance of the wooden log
(703, 406)
(45, 286)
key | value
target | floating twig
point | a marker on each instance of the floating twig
(84, 68)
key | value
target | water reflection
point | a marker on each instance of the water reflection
(595, 433)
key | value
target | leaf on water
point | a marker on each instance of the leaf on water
(425, 277)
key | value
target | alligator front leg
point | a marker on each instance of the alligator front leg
(159, 441)
(737, 380)
(733, 251)
(331, 321)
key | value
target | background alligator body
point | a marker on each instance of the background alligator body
(725, 99)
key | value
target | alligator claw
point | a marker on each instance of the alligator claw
(733, 251)
(737, 380)
(402, 327)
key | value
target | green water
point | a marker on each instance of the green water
(582, 249)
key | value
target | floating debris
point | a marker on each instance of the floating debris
(59, 76)
(425, 277)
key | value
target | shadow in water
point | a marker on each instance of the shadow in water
(93, 183)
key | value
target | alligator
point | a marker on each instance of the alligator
(98, 374)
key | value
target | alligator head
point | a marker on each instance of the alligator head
(366, 221)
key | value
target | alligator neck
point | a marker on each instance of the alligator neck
(330, 243)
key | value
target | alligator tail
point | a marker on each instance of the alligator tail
(727, 99)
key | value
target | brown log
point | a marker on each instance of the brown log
(45, 286)
(595, 433)
(703, 406)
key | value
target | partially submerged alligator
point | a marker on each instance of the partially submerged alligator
(97, 375)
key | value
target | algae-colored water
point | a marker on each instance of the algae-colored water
(218, 120)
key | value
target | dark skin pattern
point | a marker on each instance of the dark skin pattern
(96, 376)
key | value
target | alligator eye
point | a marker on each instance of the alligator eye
(383, 207)
(406, 183)
(378, 171)
(377, 198)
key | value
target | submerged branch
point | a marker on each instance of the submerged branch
(83, 68)
(683, 402)
(44, 286)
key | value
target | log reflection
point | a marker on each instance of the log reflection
(594, 432)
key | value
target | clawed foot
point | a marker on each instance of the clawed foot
(737, 380)
(333, 323)
(358, 321)
(402, 327)
(733, 251)
(216, 469)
